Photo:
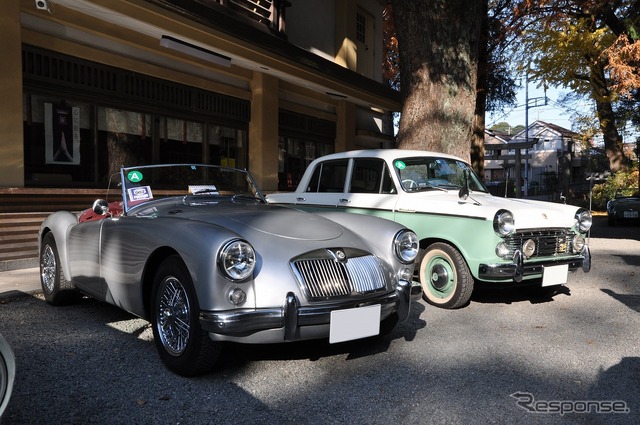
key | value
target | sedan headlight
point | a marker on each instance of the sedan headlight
(236, 260)
(406, 246)
(583, 220)
(503, 223)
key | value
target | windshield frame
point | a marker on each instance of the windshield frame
(195, 181)
(450, 176)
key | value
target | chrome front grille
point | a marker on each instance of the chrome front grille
(326, 278)
(549, 242)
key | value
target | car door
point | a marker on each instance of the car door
(84, 256)
(370, 188)
(327, 185)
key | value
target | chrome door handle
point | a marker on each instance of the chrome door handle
(300, 199)
(344, 201)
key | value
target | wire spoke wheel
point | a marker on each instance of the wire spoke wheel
(184, 347)
(48, 266)
(173, 312)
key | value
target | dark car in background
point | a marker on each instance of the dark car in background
(624, 207)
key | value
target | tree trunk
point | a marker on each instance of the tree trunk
(477, 135)
(606, 117)
(438, 43)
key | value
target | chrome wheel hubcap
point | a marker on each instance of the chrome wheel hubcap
(173, 312)
(48, 269)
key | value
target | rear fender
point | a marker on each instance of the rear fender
(59, 224)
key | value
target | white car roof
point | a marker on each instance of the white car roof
(386, 154)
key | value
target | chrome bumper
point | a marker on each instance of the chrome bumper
(292, 316)
(517, 270)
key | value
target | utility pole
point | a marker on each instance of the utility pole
(526, 130)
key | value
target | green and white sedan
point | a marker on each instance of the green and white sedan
(467, 236)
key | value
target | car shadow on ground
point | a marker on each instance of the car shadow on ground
(630, 300)
(531, 294)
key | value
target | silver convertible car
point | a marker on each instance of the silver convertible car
(197, 251)
(466, 235)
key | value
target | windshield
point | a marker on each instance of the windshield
(426, 173)
(193, 182)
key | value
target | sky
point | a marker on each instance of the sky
(551, 112)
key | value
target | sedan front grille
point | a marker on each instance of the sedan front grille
(549, 242)
(326, 278)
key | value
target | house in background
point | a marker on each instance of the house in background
(548, 159)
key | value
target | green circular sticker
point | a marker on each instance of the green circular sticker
(400, 165)
(134, 176)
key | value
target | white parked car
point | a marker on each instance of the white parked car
(467, 236)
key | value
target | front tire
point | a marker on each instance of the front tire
(57, 290)
(183, 346)
(445, 277)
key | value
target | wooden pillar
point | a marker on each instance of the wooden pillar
(11, 133)
(345, 126)
(263, 131)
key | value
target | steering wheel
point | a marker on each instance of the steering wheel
(409, 184)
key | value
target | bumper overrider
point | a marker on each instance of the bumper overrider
(292, 316)
(517, 269)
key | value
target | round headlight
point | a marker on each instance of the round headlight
(503, 223)
(578, 243)
(583, 220)
(236, 260)
(502, 250)
(406, 246)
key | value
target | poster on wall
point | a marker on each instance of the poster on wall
(62, 134)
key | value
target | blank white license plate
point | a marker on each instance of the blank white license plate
(555, 275)
(631, 214)
(354, 323)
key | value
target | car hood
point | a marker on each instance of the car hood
(527, 213)
(268, 219)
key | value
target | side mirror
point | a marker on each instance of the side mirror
(464, 190)
(100, 207)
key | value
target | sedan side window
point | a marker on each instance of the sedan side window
(329, 177)
(370, 175)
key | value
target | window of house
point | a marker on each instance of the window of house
(227, 146)
(294, 156)
(361, 27)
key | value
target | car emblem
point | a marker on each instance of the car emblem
(544, 215)
(338, 255)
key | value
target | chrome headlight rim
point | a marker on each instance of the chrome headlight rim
(504, 223)
(584, 220)
(236, 260)
(406, 246)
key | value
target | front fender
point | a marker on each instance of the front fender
(59, 224)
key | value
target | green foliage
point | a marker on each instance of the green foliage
(503, 127)
(625, 182)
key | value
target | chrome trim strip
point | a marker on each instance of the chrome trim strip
(509, 270)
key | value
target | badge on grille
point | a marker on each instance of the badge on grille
(338, 255)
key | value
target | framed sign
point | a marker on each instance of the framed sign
(62, 134)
